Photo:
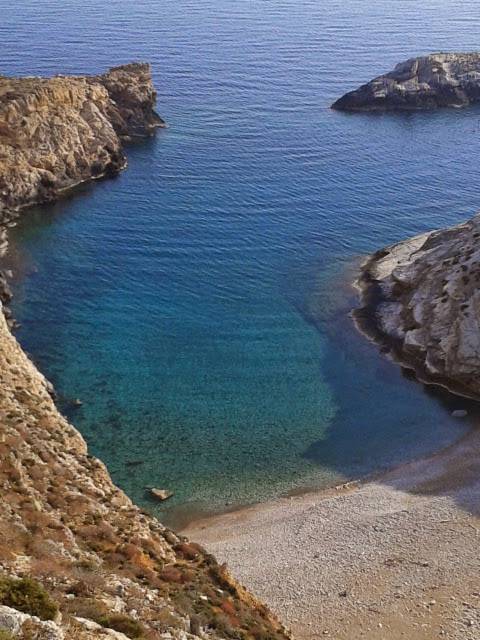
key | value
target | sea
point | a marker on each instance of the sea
(198, 304)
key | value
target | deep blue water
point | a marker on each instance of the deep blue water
(198, 303)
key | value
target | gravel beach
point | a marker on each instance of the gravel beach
(396, 556)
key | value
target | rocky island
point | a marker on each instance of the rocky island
(426, 82)
(77, 558)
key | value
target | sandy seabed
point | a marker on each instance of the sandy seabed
(395, 556)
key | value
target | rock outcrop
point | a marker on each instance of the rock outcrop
(427, 82)
(103, 561)
(422, 302)
(58, 132)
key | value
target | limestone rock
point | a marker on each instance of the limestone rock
(422, 300)
(22, 625)
(58, 132)
(161, 494)
(426, 82)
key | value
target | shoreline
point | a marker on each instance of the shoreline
(321, 493)
(371, 297)
(103, 565)
(371, 556)
(347, 305)
(374, 557)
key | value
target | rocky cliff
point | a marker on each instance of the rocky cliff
(58, 132)
(427, 82)
(77, 558)
(105, 563)
(422, 302)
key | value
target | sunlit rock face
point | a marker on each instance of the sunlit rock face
(422, 296)
(58, 132)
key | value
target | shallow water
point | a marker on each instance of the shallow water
(197, 303)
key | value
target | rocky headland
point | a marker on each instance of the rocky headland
(58, 132)
(421, 301)
(77, 558)
(426, 82)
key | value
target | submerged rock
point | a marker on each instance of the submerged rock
(58, 132)
(422, 300)
(427, 82)
(161, 494)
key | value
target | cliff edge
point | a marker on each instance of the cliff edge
(77, 558)
(110, 569)
(426, 82)
(58, 132)
(421, 300)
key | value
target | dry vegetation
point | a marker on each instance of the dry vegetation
(96, 555)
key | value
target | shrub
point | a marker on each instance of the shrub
(6, 635)
(91, 609)
(119, 622)
(27, 596)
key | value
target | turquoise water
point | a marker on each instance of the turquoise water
(198, 303)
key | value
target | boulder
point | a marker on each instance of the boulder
(161, 494)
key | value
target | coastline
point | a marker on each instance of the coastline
(370, 555)
(400, 478)
(110, 569)
(367, 555)
(371, 297)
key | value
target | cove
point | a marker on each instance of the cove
(197, 304)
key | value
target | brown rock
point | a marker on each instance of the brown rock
(58, 132)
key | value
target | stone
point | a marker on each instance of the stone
(58, 132)
(421, 300)
(427, 82)
(161, 494)
(459, 413)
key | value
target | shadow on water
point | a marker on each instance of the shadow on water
(407, 420)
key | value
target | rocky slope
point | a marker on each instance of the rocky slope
(103, 561)
(427, 82)
(58, 132)
(422, 301)
(105, 568)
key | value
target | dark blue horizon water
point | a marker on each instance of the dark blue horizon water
(198, 303)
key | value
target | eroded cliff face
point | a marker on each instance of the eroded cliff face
(58, 132)
(102, 559)
(427, 82)
(422, 300)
